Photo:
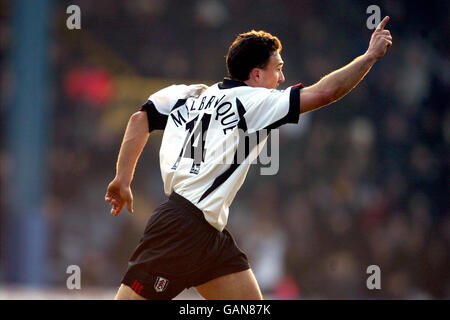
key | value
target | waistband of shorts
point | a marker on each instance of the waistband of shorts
(190, 207)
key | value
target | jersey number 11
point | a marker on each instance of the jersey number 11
(197, 153)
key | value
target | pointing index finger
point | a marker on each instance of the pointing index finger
(383, 23)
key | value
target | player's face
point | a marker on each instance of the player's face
(272, 74)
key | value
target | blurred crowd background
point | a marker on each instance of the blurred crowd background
(362, 182)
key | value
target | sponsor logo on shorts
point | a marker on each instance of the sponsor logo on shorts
(161, 284)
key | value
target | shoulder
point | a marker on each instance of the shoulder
(180, 91)
(258, 93)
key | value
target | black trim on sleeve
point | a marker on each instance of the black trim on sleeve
(156, 120)
(293, 114)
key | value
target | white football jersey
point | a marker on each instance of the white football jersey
(207, 146)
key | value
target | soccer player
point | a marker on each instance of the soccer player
(185, 243)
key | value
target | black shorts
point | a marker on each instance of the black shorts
(180, 249)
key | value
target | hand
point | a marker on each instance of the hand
(117, 195)
(380, 41)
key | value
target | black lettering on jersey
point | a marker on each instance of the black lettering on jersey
(240, 122)
(222, 106)
(192, 106)
(218, 101)
(178, 121)
(209, 103)
(230, 122)
(202, 104)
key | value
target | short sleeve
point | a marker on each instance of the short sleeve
(156, 120)
(160, 103)
(269, 109)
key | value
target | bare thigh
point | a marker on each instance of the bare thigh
(235, 286)
(126, 293)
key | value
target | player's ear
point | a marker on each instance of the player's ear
(255, 74)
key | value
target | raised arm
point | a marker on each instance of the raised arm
(119, 190)
(337, 84)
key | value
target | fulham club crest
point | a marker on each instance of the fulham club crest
(161, 284)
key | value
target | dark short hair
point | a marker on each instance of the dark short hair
(250, 50)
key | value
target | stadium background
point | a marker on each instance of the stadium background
(363, 182)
